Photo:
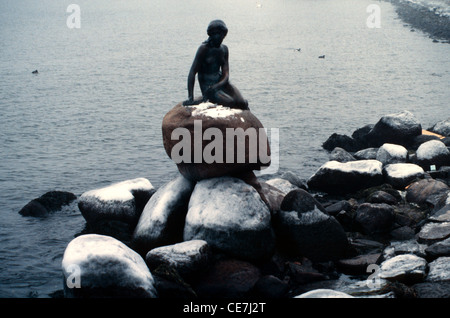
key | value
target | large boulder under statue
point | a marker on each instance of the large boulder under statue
(209, 140)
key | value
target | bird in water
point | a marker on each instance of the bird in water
(35, 72)
(322, 57)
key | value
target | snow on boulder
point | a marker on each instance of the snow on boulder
(339, 178)
(399, 128)
(122, 201)
(391, 153)
(231, 216)
(433, 152)
(405, 268)
(162, 221)
(100, 266)
(400, 175)
(442, 127)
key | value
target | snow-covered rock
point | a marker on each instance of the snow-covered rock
(161, 222)
(336, 177)
(433, 153)
(391, 153)
(101, 266)
(400, 175)
(231, 216)
(122, 201)
(442, 127)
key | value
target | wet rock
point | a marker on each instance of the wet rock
(432, 153)
(358, 265)
(49, 202)
(399, 128)
(228, 278)
(303, 272)
(360, 135)
(439, 270)
(272, 195)
(170, 284)
(441, 215)
(442, 127)
(230, 215)
(105, 267)
(400, 175)
(122, 201)
(312, 234)
(366, 154)
(342, 141)
(375, 217)
(433, 290)
(294, 179)
(337, 207)
(338, 178)
(433, 232)
(300, 201)
(341, 155)
(162, 221)
(405, 268)
(271, 287)
(188, 258)
(198, 157)
(404, 247)
(391, 153)
(420, 191)
(324, 293)
(382, 197)
(438, 249)
(403, 233)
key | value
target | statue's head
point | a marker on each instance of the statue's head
(217, 26)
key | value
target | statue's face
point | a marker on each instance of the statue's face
(216, 38)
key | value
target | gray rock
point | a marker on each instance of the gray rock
(441, 215)
(339, 178)
(294, 179)
(421, 191)
(366, 154)
(101, 266)
(399, 128)
(188, 258)
(404, 247)
(391, 153)
(312, 234)
(439, 270)
(433, 232)
(442, 127)
(341, 155)
(405, 268)
(162, 221)
(433, 290)
(300, 201)
(375, 217)
(381, 197)
(432, 153)
(438, 249)
(122, 201)
(230, 215)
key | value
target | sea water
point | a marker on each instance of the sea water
(92, 114)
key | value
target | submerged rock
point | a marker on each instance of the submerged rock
(49, 202)
(98, 266)
(342, 178)
(122, 201)
(231, 216)
(162, 221)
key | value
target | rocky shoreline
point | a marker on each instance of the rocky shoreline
(373, 222)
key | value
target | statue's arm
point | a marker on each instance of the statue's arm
(193, 71)
(225, 71)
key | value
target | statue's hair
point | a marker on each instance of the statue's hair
(217, 25)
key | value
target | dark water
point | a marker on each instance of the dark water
(93, 114)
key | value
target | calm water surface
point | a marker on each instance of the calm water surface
(93, 114)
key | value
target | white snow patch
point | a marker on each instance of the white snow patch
(120, 191)
(395, 150)
(213, 110)
(401, 170)
(370, 166)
